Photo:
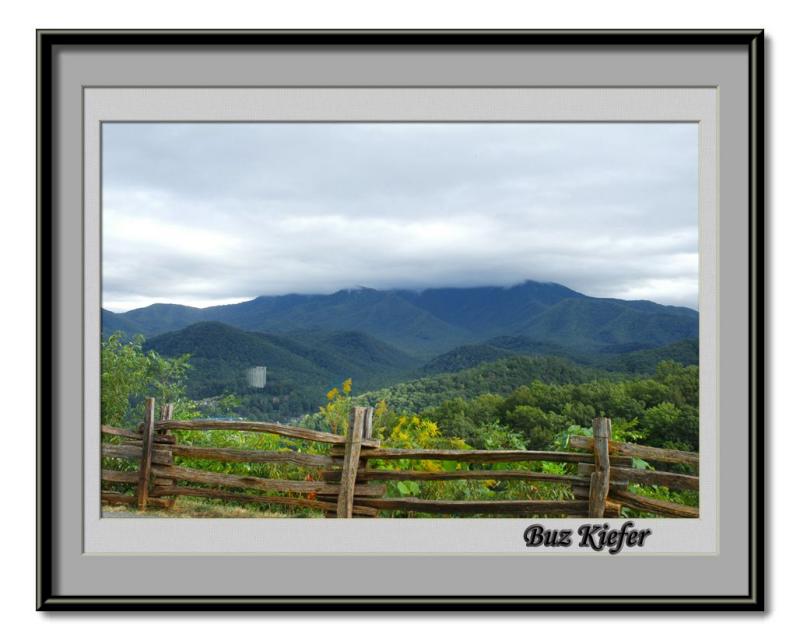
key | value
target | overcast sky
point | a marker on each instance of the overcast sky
(204, 214)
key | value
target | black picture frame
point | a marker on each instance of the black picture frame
(50, 41)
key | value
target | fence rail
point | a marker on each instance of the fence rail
(347, 487)
(640, 451)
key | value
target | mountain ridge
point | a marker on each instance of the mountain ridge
(636, 360)
(434, 321)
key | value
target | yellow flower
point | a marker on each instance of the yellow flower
(431, 428)
(347, 385)
(332, 393)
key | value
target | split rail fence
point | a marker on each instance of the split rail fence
(350, 488)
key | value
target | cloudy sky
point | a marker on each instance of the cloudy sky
(204, 214)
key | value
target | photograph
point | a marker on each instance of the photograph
(395, 309)
(401, 320)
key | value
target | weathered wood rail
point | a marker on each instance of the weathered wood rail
(344, 486)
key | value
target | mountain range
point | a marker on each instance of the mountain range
(431, 322)
(310, 343)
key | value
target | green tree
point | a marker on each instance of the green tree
(128, 374)
(661, 422)
(123, 375)
(539, 427)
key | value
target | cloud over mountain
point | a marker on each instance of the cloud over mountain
(206, 214)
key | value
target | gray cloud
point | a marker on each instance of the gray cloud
(212, 213)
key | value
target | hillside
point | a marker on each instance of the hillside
(501, 376)
(300, 367)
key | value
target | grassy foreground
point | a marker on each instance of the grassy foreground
(190, 507)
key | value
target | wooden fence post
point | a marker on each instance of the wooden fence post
(362, 463)
(600, 479)
(359, 417)
(367, 433)
(147, 452)
(166, 414)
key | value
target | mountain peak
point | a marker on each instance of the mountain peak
(355, 290)
(543, 285)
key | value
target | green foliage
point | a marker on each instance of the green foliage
(561, 440)
(660, 411)
(129, 374)
(501, 377)
(688, 498)
(537, 425)
(225, 406)
(124, 369)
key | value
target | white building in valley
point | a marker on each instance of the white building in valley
(257, 377)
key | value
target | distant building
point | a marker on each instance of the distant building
(257, 377)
